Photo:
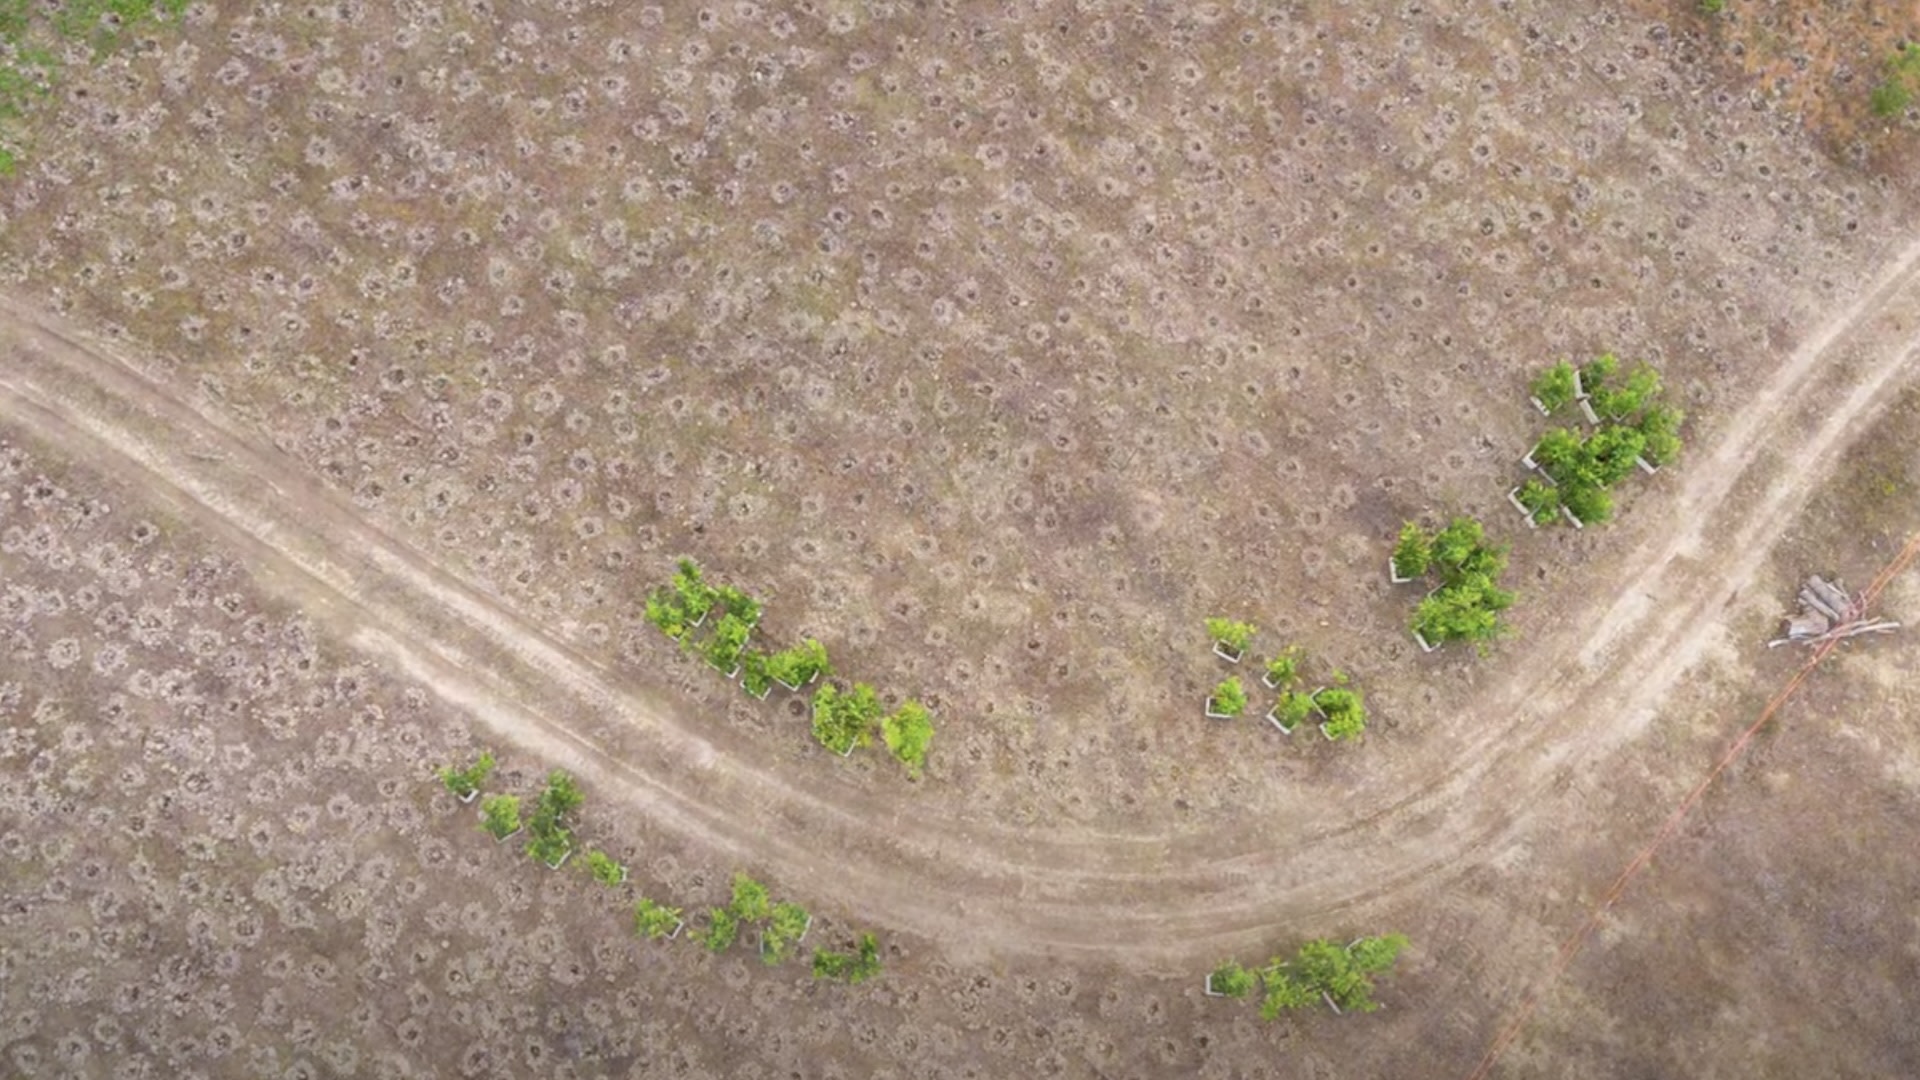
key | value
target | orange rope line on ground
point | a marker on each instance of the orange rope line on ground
(1578, 939)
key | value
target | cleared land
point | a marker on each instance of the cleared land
(995, 357)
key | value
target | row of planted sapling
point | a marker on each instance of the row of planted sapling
(550, 832)
(1321, 972)
(1467, 602)
(1342, 709)
(781, 926)
(1576, 470)
(844, 717)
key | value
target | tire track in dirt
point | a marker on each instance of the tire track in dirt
(975, 888)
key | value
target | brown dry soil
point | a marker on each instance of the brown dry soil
(997, 350)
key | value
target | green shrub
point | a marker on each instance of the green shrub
(695, 595)
(464, 782)
(844, 720)
(751, 902)
(1413, 552)
(1229, 698)
(857, 967)
(785, 927)
(1554, 387)
(908, 731)
(605, 869)
(1542, 501)
(1231, 979)
(1345, 710)
(500, 815)
(1283, 671)
(799, 665)
(1231, 635)
(654, 921)
(723, 928)
(1293, 707)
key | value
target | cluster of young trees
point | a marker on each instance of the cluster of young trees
(1342, 709)
(682, 606)
(844, 717)
(782, 925)
(1631, 428)
(551, 838)
(1322, 971)
(1468, 602)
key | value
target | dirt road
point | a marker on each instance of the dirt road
(1173, 899)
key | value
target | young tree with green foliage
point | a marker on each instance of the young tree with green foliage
(551, 846)
(727, 644)
(1229, 699)
(1660, 427)
(1540, 501)
(500, 815)
(1558, 454)
(1230, 638)
(1283, 671)
(1458, 546)
(751, 902)
(1554, 389)
(561, 797)
(754, 679)
(1627, 399)
(1412, 552)
(695, 595)
(1595, 373)
(743, 608)
(1283, 991)
(785, 927)
(465, 783)
(723, 928)
(1345, 710)
(1230, 980)
(908, 731)
(856, 968)
(1610, 453)
(800, 665)
(1589, 503)
(665, 612)
(1464, 610)
(604, 869)
(843, 720)
(1290, 710)
(655, 921)
(1376, 955)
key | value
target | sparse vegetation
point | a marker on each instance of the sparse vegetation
(1895, 91)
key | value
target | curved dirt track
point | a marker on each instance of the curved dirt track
(1168, 898)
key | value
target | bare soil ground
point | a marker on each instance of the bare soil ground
(995, 354)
